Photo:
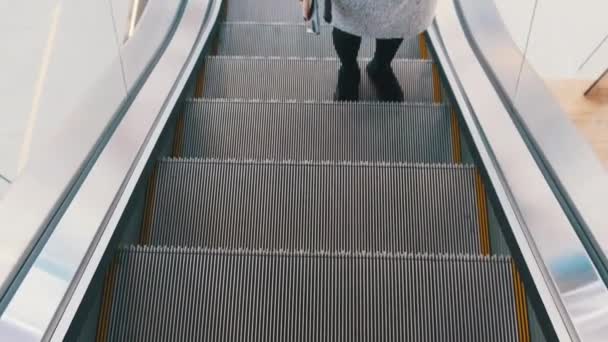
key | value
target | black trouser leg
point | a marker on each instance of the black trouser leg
(347, 48)
(386, 49)
(380, 71)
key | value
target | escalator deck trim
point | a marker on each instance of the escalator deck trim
(521, 304)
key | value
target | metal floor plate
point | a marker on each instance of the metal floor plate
(291, 40)
(304, 79)
(186, 294)
(312, 206)
(375, 132)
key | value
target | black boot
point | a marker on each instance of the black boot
(348, 84)
(349, 76)
(386, 83)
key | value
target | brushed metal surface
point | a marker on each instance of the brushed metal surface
(33, 199)
(138, 53)
(244, 295)
(562, 151)
(329, 206)
(69, 258)
(568, 282)
(312, 79)
(320, 131)
(265, 11)
(291, 40)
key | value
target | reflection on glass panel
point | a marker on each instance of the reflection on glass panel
(147, 27)
(564, 34)
(567, 50)
(121, 11)
(517, 17)
(596, 61)
(3, 186)
(126, 15)
(599, 89)
(54, 52)
(136, 11)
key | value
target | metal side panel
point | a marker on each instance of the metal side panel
(214, 295)
(291, 40)
(67, 142)
(304, 79)
(150, 32)
(45, 301)
(375, 132)
(568, 284)
(564, 155)
(316, 206)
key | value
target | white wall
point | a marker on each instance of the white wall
(563, 35)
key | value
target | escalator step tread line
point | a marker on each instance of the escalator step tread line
(308, 79)
(316, 206)
(264, 11)
(183, 294)
(374, 132)
(291, 40)
(283, 216)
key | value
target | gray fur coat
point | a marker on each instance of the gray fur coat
(383, 18)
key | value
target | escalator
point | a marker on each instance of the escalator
(285, 216)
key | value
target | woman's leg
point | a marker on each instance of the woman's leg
(381, 73)
(347, 48)
(386, 49)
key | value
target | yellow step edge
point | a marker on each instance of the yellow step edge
(106, 305)
(482, 213)
(424, 49)
(178, 140)
(521, 305)
(456, 146)
(437, 96)
(425, 54)
(144, 237)
(200, 80)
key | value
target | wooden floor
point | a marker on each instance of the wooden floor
(589, 114)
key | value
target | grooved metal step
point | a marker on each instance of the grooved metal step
(291, 40)
(377, 132)
(265, 11)
(303, 79)
(315, 206)
(184, 294)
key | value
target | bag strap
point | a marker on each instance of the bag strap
(327, 15)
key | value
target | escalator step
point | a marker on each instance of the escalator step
(379, 132)
(265, 11)
(182, 294)
(303, 79)
(316, 206)
(290, 40)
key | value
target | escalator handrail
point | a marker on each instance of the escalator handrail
(554, 260)
(566, 158)
(37, 198)
(77, 220)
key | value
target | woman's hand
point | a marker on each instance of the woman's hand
(307, 9)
